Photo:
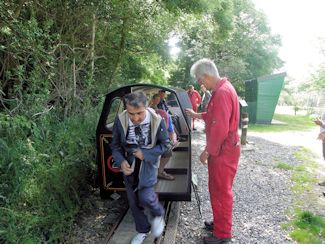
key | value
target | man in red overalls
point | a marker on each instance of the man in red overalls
(195, 99)
(222, 149)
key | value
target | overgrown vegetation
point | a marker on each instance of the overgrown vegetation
(290, 123)
(45, 165)
(57, 59)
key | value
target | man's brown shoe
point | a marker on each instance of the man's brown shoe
(215, 240)
(208, 225)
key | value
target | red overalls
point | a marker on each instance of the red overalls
(195, 99)
(222, 140)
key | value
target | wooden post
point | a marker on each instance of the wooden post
(244, 126)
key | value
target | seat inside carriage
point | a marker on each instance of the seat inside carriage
(179, 164)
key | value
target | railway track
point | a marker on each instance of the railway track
(124, 229)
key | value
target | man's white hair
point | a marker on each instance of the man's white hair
(202, 67)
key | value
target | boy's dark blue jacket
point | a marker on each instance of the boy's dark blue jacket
(159, 143)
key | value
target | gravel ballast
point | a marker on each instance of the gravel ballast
(262, 198)
(261, 195)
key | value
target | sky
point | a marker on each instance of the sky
(301, 25)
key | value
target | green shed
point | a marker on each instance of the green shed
(262, 96)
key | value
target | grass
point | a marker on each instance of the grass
(293, 123)
(303, 177)
(307, 157)
(285, 166)
(306, 226)
(302, 181)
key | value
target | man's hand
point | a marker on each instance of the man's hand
(204, 157)
(318, 121)
(138, 154)
(321, 136)
(190, 112)
(126, 169)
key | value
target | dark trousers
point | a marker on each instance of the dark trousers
(139, 199)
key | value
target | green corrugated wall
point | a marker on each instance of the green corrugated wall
(262, 95)
(251, 98)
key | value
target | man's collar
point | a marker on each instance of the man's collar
(220, 83)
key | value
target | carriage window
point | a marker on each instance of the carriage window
(115, 109)
(172, 100)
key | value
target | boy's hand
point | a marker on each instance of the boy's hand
(126, 169)
(138, 154)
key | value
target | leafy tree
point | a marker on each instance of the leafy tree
(246, 49)
(316, 82)
(56, 60)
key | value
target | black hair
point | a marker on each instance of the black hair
(135, 99)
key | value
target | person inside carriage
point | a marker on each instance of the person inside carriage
(162, 174)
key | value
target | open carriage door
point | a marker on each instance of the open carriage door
(110, 178)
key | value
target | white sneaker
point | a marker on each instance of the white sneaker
(157, 226)
(139, 238)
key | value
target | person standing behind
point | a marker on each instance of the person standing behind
(162, 174)
(205, 98)
(222, 149)
(154, 103)
(162, 104)
(195, 99)
(139, 139)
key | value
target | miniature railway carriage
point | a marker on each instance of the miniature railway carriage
(179, 165)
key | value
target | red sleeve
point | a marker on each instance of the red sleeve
(198, 97)
(219, 124)
(204, 115)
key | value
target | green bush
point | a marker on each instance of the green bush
(308, 227)
(44, 165)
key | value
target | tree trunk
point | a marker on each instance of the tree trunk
(120, 52)
(18, 10)
(74, 75)
(92, 54)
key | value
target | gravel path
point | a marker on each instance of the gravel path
(261, 195)
(306, 139)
